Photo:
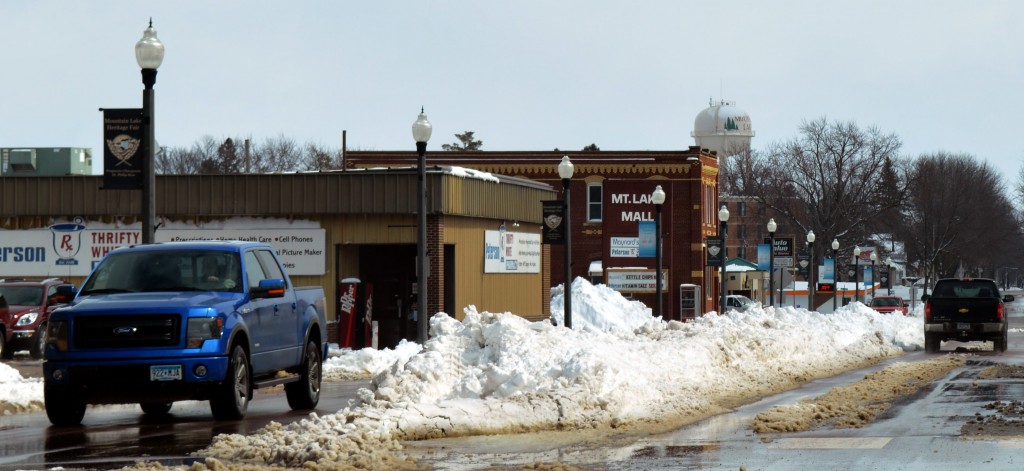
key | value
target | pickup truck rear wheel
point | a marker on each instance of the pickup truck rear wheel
(931, 343)
(156, 408)
(62, 408)
(999, 344)
(305, 393)
(231, 401)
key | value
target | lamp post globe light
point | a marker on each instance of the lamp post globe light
(856, 273)
(874, 258)
(149, 53)
(421, 130)
(810, 272)
(723, 217)
(658, 198)
(771, 262)
(565, 169)
(835, 274)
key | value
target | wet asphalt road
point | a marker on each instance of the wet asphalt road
(921, 433)
(112, 437)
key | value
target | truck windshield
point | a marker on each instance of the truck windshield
(170, 270)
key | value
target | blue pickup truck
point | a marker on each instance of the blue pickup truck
(159, 323)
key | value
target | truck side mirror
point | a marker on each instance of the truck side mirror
(1008, 298)
(924, 297)
(270, 288)
(64, 294)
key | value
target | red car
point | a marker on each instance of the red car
(23, 320)
(889, 304)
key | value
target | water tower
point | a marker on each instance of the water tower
(724, 128)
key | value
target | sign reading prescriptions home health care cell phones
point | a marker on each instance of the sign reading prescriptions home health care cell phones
(301, 250)
(72, 249)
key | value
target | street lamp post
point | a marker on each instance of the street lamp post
(723, 217)
(856, 274)
(565, 169)
(874, 258)
(658, 198)
(835, 274)
(421, 130)
(810, 271)
(771, 262)
(889, 266)
(149, 53)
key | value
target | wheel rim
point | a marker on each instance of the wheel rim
(241, 383)
(314, 371)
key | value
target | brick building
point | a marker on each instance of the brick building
(609, 199)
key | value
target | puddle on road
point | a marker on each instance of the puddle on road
(999, 418)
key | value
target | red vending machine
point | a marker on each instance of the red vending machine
(355, 314)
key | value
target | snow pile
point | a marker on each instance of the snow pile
(19, 394)
(498, 373)
(350, 364)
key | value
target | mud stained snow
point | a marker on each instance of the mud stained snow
(997, 418)
(858, 404)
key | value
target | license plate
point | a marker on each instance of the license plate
(963, 326)
(164, 372)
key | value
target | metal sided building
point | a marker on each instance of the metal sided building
(328, 227)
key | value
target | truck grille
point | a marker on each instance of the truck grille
(131, 331)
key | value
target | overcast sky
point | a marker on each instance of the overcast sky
(524, 75)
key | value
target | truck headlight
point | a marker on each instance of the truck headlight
(57, 334)
(201, 329)
(28, 319)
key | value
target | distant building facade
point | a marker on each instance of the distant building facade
(609, 200)
(45, 161)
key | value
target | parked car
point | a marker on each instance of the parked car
(29, 304)
(889, 304)
(737, 302)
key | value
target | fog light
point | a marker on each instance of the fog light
(199, 370)
(58, 375)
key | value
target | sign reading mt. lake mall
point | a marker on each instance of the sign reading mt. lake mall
(627, 204)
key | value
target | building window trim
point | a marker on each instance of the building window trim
(595, 209)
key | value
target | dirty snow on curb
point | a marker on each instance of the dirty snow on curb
(494, 373)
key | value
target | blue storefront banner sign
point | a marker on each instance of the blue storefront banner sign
(647, 235)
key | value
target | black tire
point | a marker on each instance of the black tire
(156, 408)
(38, 347)
(62, 409)
(931, 343)
(5, 351)
(999, 344)
(231, 400)
(305, 393)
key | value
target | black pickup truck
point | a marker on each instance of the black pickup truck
(965, 309)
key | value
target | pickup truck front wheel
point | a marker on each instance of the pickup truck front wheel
(156, 408)
(304, 394)
(231, 401)
(62, 408)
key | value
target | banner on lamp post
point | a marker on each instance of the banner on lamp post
(716, 251)
(123, 149)
(554, 226)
